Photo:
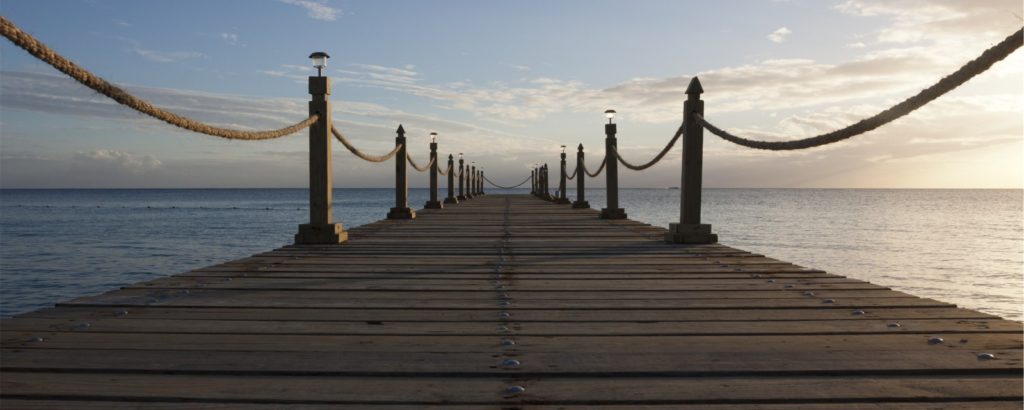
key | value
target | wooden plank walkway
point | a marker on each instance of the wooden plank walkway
(462, 306)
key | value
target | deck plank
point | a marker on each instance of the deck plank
(422, 314)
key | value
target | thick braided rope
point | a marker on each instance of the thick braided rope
(445, 172)
(508, 187)
(47, 55)
(657, 158)
(965, 73)
(599, 169)
(574, 171)
(372, 158)
(417, 167)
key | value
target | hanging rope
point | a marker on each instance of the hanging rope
(599, 169)
(47, 55)
(372, 158)
(657, 158)
(445, 172)
(574, 171)
(417, 167)
(968, 71)
(507, 187)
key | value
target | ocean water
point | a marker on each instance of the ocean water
(960, 246)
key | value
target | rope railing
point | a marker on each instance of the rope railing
(94, 82)
(507, 187)
(599, 169)
(372, 158)
(445, 172)
(946, 84)
(417, 167)
(574, 171)
(656, 159)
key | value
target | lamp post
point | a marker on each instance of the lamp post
(433, 203)
(450, 199)
(562, 199)
(320, 229)
(580, 177)
(481, 190)
(533, 180)
(462, 178)
(611, 171)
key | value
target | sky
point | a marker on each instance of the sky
(507, 83)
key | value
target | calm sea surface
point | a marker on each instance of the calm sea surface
(960, 246)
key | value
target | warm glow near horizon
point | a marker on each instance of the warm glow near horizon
(508, 84)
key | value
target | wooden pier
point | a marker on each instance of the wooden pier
(509, 302)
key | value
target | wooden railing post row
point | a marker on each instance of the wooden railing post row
(546, 180)
(533, 181)
(462, 178)
(689, 229)
(320, 229)
(451, 181)
(581, 176)
(611, 172)
(401, 209)
(433, 203)
(562, 199)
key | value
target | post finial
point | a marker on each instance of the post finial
(580, 147)
(401, 130)
(451, 157)
(694, 87)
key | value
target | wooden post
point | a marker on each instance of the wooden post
(320, 229)
(462, 178)
(533, 181)
(480, 182)
(545, 180)
(470, 181)
(433, 203)
(562, 199)
(611, 172)
(581, 176)
(689, 229)
(451, 181)
(401, 209)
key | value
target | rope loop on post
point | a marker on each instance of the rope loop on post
(88, 79)
(417, 167)
(657, 158)
(507, 187)
(372, 158)
(599, 169)
(946, 84)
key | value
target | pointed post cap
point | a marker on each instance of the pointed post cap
(580, 147)
(451, 157)
(401, 130)
(694, 87)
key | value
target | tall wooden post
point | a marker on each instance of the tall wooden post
(545, 188)
(533, 181)
(462, 178)
(481, 190)
(320, 229)
(581, 176)
(479, 182)
(562, 199)
(611, 172)
(470, 181)
(689, 229)
(433, 203)
(401, 209)
(450, 199)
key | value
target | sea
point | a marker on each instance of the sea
(959, 246)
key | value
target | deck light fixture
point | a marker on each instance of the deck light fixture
(319, 61)
(563, 149)
(433, 137)
(610, 114)
(460, 156)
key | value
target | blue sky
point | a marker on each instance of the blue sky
(507, 83)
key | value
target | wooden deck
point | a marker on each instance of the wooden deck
(456, 308)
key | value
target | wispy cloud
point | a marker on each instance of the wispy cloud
(230, 38)
(317, 10)
(160, 56)
(780, 35)
(118, 159)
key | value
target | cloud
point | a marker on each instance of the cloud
(117, 159)
(160, 56)
(316, 10)
(779, 35)
(230, 38)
